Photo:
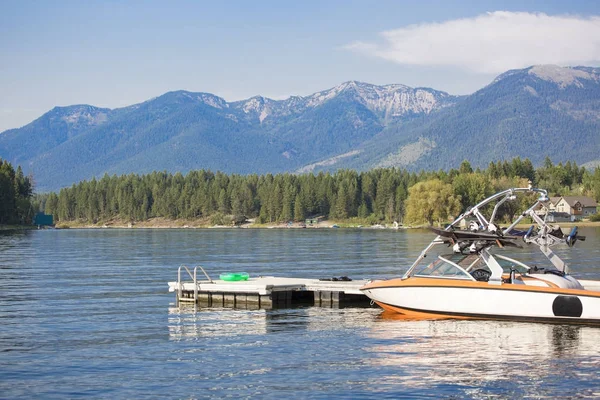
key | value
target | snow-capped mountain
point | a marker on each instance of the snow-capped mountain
(533, 112)
(388, 102)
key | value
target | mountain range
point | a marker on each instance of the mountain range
(533, 112)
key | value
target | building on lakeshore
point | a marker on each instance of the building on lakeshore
(42, 220)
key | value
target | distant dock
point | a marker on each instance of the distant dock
(266, 292)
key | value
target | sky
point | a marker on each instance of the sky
(114, 53)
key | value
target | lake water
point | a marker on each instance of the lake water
(86, 313)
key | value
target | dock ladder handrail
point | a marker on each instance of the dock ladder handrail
(204, 272)
(194, 279)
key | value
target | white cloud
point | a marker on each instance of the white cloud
(492, 42)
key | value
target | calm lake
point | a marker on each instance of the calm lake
(87, 313)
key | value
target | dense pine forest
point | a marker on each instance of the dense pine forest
(15, 196)
(379, 195)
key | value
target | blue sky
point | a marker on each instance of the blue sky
(113, 54)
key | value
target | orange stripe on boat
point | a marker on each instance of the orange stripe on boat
(393, 312)
(455, 283)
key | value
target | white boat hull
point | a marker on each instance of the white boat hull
(486, 301)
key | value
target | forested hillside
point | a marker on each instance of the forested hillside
(374, 196)
(531, 113)
(183, 131)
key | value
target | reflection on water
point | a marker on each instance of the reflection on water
(86, 313)
(187, 323)
(529, 359)
(445, 357)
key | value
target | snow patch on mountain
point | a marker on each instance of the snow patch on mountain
(82, 115)
(255, 104)
(257, 107)
(388, 101)
(213, 101)
(263, 114)
(205, 98)
(319, 98)
(531, 91)
(563, 77)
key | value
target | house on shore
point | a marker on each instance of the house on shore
(313, 221)
(569, 208)
(43, 220)
(579, 206)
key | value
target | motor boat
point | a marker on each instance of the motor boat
(474, 276)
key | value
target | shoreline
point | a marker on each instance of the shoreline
(162, 223)
(251, 225)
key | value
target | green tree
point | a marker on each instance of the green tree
(431, 201)
(363, 210)
(287, 209)
(341, 204)
(591, 183)
(223, 202)
(510, 209)
(299, 212)
(7, 193)
(471, 188)
(465, 167)
(51, 205)
(400, 203)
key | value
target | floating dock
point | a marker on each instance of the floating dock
(267, 292)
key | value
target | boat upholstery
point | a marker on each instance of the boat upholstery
(565, 282)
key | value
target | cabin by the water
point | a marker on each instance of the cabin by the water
(43, 220)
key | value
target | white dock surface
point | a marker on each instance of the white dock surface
(265, 285)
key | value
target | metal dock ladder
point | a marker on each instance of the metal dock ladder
(195, 280)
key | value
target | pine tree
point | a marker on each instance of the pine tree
(223, 202)
(7, 193)
(287, 209)
(341, 204)
(465, 167)
(299, 213)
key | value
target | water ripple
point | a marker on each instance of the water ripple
(86, 313)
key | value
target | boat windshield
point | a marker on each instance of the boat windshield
(508, 263)
(449, 266)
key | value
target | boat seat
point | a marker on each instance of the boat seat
(564, 282)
